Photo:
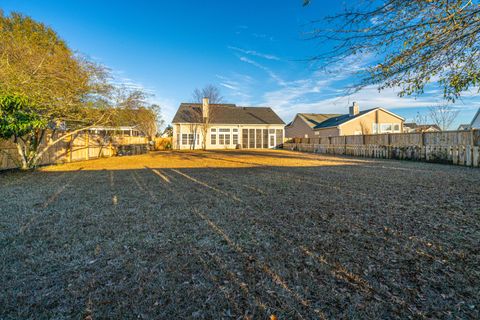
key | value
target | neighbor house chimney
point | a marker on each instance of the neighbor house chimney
(205, 108)
(354, 110)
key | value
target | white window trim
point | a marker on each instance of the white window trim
(378, 128)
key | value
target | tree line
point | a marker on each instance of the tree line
(48, 89)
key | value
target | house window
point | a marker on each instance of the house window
(396, 127)
(385, 127)
(184, 138)
(244, 138)
(251, 138)
(221, 139)
(271, 131)
(258, 140)
(227, 139)
(235, 130)
(190, 138)
(265, 138)
(213, 138)
(375, 128)
(223, 130)
(279, 136)
(235, 138)
(213, 130)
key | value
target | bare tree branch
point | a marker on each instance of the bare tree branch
(413, 43)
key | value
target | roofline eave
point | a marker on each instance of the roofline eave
(374, 109)
(475, 117)
(329, 127)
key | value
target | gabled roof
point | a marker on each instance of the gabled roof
(314, 119)
(465, 126)
(226, 114)
(344, 118)
(475, 117)
(336, 121)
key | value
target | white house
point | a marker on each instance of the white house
(226, 126)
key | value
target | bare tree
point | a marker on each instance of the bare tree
(134, 109)
(209, 91)
(365, 129)
(148, 120)
(193, 116)
(411, 43)
(421, 118)
(443, 115)
(206, 117)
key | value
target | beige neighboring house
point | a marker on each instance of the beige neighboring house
(356, 122)
(226, 126)
(303, 124)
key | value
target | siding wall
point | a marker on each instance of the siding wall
(327, 132)
(298, 129)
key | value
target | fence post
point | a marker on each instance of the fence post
(389, 143)
(476, 156)
(422, 145)
(69, 151)
(468, 156)
(87, 145)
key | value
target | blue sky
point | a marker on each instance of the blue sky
(255, 51)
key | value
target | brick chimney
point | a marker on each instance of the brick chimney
(354, 110)
(205, 108)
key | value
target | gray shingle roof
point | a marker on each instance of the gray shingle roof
(475, 117)
(336, 121)
(314, 119)
(226, 114)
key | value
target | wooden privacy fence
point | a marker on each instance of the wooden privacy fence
(163, 143)
(455, 147)
(83, 146)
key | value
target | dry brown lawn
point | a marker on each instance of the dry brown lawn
(240, 235)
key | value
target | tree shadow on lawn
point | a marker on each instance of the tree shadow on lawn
(297, 242)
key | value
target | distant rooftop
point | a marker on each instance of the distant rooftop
(314, 119)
